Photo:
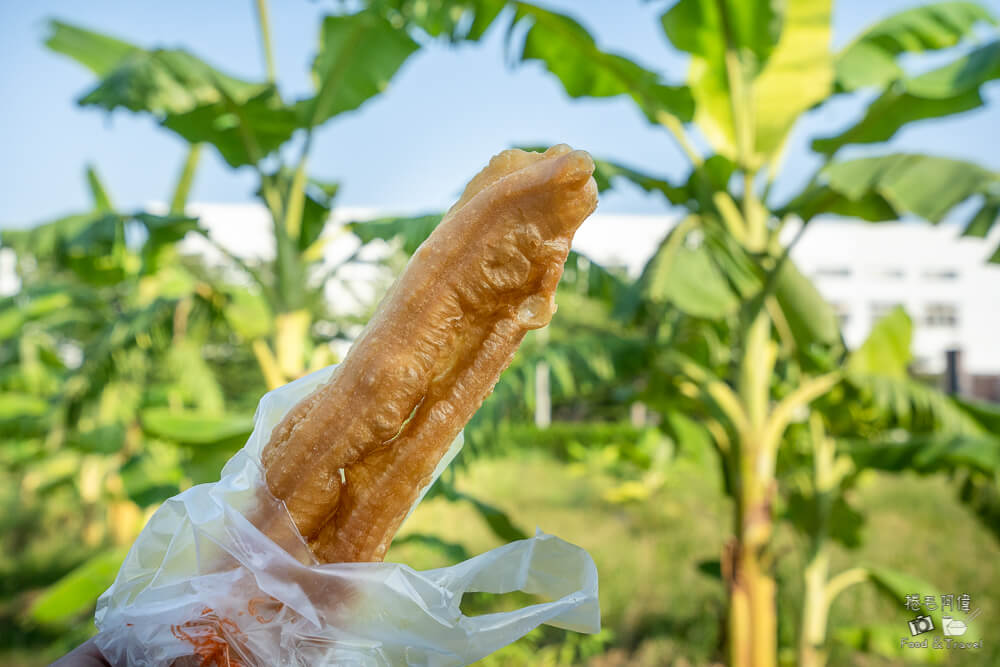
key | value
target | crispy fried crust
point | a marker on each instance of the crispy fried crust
(350, 459)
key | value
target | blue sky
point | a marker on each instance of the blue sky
(409, 150)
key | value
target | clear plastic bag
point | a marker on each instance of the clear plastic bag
(203, 585)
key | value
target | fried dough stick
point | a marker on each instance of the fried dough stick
(350, 459)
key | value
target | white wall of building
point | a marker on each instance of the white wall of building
(943, 281)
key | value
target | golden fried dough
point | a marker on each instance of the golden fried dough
(350, 459)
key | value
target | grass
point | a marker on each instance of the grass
(651, 546)
(919, 527)
(657, 607)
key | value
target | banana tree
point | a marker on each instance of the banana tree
(252, 126)
(857, 427)
(102, 340)
(123, 348)
(124, 360)
(755, 69)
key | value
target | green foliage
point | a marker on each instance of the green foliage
(781, 57)
(882, 639)
(870, 59)
(195, 429)
(688, 278)
(886, 351)
(598, 285)
(246, 121)
(695, 26)
(498, 521)
(652, 594)
(929, 454)
(244, 131)
(410, 232)
(797, 76)
(981, 493)
(457, 20)
(966, 73)
(961, 442)
(891, 186)
(897, 585)
(591, 371)
(160, 81)
(695, 193)
(722, 276)
(102, 203)
(165, 82)
(130, 371)
(946, 90)
(93, 246)
(358, 55)
(844, 524)
(607, 172)
(894, 109)
(319, 198)
(98, 53)
(453, 551)
(811, 320)
(75, 593)
(568, 51)
(570, 441)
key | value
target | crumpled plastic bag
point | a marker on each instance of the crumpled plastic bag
(203, 585)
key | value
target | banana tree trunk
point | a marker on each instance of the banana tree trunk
(816, 602)
(286, 361)
(290, 339)
(752, 612)
(812, 637)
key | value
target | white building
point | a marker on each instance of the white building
(864, 270)
(941, 279)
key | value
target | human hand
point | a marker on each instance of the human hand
(85, 655)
